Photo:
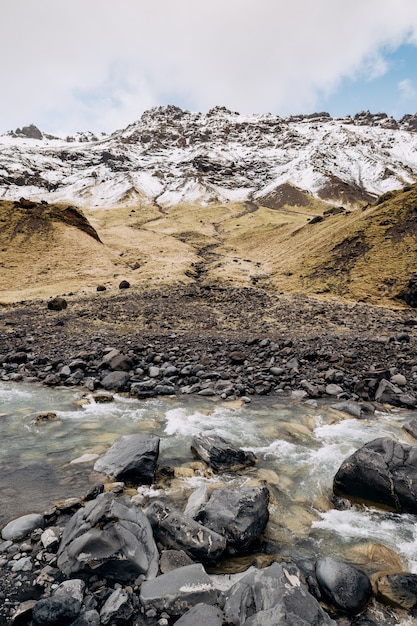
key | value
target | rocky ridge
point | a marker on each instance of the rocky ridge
(173, 156)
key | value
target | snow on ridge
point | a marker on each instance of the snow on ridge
(171, 156)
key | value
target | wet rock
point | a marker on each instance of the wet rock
(179, 590)
(239, 514)
(345, 587)
(175, 530)
(56, 611)
(219, 454)
(115, 381)
(274, 596)
(117, 609)
(108, 536)
(350, 408)
(382, 472)
(411, 428)
(397, 589)
(203, 614)
(22, 526)
(131, 458)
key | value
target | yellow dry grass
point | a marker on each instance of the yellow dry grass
(365, 254)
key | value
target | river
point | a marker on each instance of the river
(299, 448)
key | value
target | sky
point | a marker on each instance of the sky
(78, 65)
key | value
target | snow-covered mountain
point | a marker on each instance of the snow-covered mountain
(171, 156)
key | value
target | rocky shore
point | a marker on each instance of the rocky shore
(226, 342)
(106, 558)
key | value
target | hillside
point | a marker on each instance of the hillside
(366, 254)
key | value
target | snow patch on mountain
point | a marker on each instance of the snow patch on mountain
(171, 156)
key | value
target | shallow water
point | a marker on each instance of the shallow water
(299, 449)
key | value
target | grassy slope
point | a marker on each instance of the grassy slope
(368, 253)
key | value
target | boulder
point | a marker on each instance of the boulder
(219, 454)
(342, 585)
(397, 589)
(388, 393)
(115, 381)
(179, 590)
(239, 514)
(382, 472)
(20, 527)
(175, 530)
(57, 304)
(121, 363)
(131, 458)
(56, 611)
(108, 537)
(274, 596)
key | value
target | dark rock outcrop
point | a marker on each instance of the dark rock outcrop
(345, 587)
(239, 514)
(175, 530)
(383, 472)
(219, 454)
(109, 537)
(132, 458)
(274, 596)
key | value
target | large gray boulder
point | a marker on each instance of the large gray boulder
(131, 458)
(382, 472)
(342, 585)
(239, 514)
(274, 596)
(109, 537)
(175, 530)
(219, 454)
(21, 526)
(388, 393)
(179, 590)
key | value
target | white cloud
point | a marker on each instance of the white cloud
(407, 89)
(98, 64)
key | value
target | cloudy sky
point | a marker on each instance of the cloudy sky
(71, 65)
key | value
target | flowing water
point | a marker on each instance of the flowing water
(299, 447)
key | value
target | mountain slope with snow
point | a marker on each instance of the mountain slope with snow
(171, 157)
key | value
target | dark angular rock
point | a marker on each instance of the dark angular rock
(382, 472)
(344, 586)
(239, 514)
(89, 618)
(274, 596)
(175, 530)
(117, 609)
(131, 458)
(219, 454)
(56, 611)
(108, 537)
(389, 393)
